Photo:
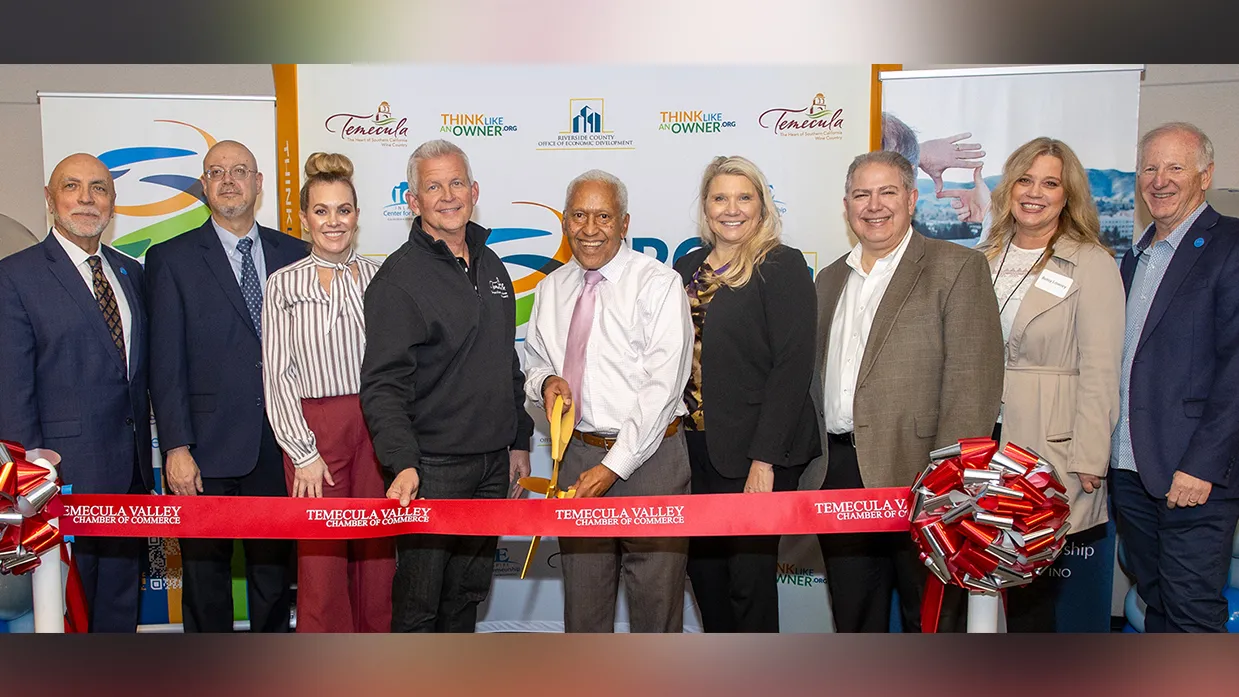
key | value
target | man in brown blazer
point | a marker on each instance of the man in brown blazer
(909, 359)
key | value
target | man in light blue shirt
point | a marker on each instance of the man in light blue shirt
(1173, 453)
(206, 291)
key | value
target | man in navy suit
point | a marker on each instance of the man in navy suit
(1175, 483)
(206, 385)
(73, 371)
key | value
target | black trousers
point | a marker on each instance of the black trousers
(733, 577)
(440, 579)
(111, 569)
(1180, 556)
(863, 570)
(206, 597)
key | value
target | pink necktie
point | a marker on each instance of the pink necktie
(578, 337)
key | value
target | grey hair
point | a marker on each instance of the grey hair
(597, 175)
(429, 151)
(907, 175)
(899, 137)
(1204, 146)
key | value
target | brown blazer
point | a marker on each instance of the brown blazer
(1061, 396)
(932, 369)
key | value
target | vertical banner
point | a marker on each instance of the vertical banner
(528, 130)
(153, 146)
(941, 119)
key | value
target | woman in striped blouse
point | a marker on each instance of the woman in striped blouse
(313, 343)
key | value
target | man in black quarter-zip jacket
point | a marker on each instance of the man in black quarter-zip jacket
(442, 388)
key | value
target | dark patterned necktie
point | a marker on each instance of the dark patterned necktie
(107, 305)
(250, 288)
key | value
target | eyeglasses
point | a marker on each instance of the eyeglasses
(239, 173)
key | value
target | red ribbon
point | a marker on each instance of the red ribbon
(781, 513)
(985, 531)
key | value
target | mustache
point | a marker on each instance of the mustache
(85, 210)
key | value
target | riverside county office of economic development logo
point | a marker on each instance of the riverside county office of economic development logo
(586, 129)
(817, 120)
(398, 209)
(186, 205)
(475, 125)
(693, 121)
(380, 127)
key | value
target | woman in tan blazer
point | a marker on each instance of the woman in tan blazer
(1061, 303)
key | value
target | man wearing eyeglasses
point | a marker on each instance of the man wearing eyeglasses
(205, 290)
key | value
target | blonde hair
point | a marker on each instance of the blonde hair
(752, 251)
(1078, 220)
(326, 168)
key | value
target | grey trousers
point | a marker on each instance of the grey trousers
(653, 568)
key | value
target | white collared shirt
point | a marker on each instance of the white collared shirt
(78, 257)
(637, 359)
(849, 332)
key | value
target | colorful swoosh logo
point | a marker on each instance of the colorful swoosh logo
(538, 265)
(188, 196)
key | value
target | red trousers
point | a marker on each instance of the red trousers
(343, 585)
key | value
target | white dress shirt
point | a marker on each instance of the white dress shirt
(849, 332)
(638, 357)
(78, 257)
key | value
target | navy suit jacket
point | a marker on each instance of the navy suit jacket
(1184, 393)
(206, 360)
(63, 384)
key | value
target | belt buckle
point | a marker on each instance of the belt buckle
(852, 438)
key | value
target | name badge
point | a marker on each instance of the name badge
(1054, 283)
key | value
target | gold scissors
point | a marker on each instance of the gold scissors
(561, 432)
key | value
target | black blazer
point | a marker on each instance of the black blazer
(206, 359)
(63, 383)
(1184, 393)
(757, 350)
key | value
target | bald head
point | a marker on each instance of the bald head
(231, 181)
(229, 148)
(81, 197)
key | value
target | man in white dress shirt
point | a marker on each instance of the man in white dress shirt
(611, 332)
(910, 358)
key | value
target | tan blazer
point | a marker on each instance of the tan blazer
(1061, 396)
(932, 369)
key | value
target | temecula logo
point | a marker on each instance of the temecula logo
(816, 120)
(380, 127)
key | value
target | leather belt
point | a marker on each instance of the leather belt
(848, 438)
(603, 442)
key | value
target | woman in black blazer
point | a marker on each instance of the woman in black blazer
(752, 363)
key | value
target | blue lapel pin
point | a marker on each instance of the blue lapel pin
(125, 272)
(1200, 242)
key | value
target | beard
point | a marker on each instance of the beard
(83, 230)
(226, 211)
